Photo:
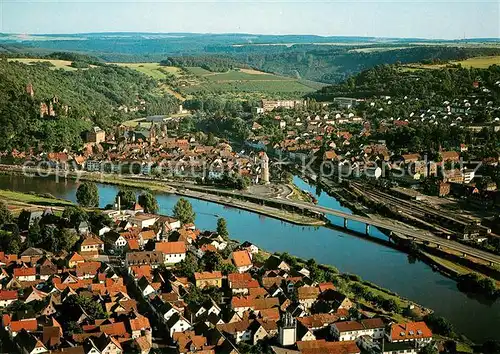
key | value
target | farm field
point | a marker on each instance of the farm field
(58, 64)
(155, 70)
(247, 81)
(477, 62)
(197, 80)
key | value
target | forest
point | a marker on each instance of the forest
(91, 95)
(393, 80)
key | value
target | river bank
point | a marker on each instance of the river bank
(371, 298)
(372, 261)
(186, 190)
(404, 244)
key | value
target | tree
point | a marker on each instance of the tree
(66, 239)
(33, 237)
(127, 198)
(10, 242)
(75, 215)
(390, 305)
(87, 194)
(227, 268)
(222, 228)
(187, 267)
(5, 214)
(149, 203)
(491, 347)
(183, 211)
(439, 324)
(211, 261)
(429, 349)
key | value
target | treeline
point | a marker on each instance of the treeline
(212, 63)
(393, 80)
(92, 97)
(335, 64)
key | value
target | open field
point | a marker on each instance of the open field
(247, 81)
(19, 201)
(194, 80)
(58, 64)
(477, 62)
(155, 70)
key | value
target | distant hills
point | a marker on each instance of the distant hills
(327, 59)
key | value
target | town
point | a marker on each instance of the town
(199, 204)
(126, 281)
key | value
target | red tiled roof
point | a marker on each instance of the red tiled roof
(256, 304)
(410, 330)
(242, 258)
(139, 323)
(208, 275)
(324, 347)
(29, 325)
(8, 294)
(92, 241)
(171, 247)
(18, 272)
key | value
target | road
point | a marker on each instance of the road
(387, 225)
(409, 232)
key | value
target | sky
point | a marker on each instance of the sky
(445, 19)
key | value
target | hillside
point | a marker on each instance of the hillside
(315, 58)
(80, 99)
(395, 80)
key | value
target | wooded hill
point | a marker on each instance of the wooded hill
(92, 95)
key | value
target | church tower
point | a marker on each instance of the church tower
(287, 330)
(264, 167)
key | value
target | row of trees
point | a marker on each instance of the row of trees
(87, 195)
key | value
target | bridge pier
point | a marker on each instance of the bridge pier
(345, 222)
(367, 229)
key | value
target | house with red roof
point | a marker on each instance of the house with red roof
(28, 324)
(242, 260)
(352, 330)
(410, 331)
(7, 297)
(174, 252)
(25, 274)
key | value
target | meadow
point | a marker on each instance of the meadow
(247, 81)
(58, 64)
(476, 62)
(155, 70)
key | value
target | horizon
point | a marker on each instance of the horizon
(298, 34)
(444, 20)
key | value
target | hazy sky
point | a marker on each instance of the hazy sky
(425, 19)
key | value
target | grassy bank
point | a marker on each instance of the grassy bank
(19, 201)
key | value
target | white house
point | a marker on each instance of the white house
(7, 297)
(174, 252)
(143, 220)
(352, 330)
(177, 323)
(145, 287)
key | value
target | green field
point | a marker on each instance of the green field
(247, 81)
(195, 80)
(155, 70)
(58, 64)
(477, 62)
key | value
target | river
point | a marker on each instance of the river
(379, 264)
